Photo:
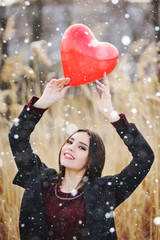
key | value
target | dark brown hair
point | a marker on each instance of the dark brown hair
(96, 156)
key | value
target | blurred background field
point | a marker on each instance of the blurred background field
(30, 35)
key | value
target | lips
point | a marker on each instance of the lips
(69, 156)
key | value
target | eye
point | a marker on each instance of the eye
(83, 148)
(69, 141)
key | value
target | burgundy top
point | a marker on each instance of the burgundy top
(65, 212)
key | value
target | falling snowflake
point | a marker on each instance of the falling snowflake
(126, 40)
(16, 136)
(156, 220)
(112, 230)
(74, 192)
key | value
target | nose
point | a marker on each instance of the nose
(71, 148)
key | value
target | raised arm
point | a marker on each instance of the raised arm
(19, 135)
(104, 101)
(142, 155)
(142, 159)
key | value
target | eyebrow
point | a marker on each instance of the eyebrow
(80, 142)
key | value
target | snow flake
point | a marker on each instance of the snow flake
(31, 57)
(126, 40)
(74, 192)
(149, 79)
(66, 123)
(16, 121)
(157, 28)
(85, 179)
(112, 230)
(156, 221)
(49, 44)
(114, 1)
(134, 110)
(26, 40)
(158, 94)
(107, 215)
(27, 3)
(16, 136)
(109, 183)
(126, 15)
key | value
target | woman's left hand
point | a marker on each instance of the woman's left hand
(104, 101)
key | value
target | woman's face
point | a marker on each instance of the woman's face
(74, 153)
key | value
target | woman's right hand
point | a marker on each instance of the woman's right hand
(53, 91)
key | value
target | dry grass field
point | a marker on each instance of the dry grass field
(138, 98)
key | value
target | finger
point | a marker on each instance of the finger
(64, 90)
(97, 96)
(63, 80)
(106, 82)
(52, 81)
(100, 84)
(63, 84)
(105, 79)
(60, 81)
(101, 88)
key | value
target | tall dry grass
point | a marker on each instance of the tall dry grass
(135, 97)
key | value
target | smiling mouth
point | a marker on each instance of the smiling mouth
(69, 156)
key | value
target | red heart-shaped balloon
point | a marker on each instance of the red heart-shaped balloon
(84, 58)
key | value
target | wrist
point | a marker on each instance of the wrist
(41, 104)
(112, 116)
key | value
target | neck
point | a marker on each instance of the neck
(72, 180)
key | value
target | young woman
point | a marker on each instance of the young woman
(77, 203)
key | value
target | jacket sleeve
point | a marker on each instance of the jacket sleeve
(19, 138)
(130, 177)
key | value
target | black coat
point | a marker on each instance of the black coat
(102, 195)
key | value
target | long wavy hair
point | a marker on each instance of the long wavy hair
(96, 157)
